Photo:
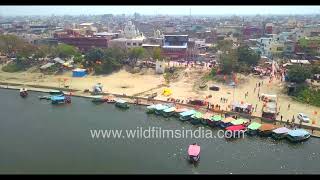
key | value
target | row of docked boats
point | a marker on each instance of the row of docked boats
(120, 103)
(229, 123)
(57, 97)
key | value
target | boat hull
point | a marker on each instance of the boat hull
(298, 139)
(194, 159)
(204, 121)
(150, 111)
(224, 125)
(24, 94)
(252, 132)
(264, 133)
(195, 121)
(278, 136)
(122, 105)
(185, 118)
(211, 123)
(167, 114)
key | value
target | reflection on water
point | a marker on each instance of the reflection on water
(38, 137)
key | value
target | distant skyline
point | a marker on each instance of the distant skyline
(153, 10)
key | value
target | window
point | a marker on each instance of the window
(134, 44)
(140, 44)
(128, 44)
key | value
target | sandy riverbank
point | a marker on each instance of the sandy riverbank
(183, 88)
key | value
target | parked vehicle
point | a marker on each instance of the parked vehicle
(302, 117)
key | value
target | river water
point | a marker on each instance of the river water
(39, 138)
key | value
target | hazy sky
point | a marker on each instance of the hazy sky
(151, 10)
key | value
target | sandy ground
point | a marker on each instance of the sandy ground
(145, 83)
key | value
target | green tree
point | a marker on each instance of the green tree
(93, 55)
(10, 44)
(228, 63)
(65, 51)
(247, 56)
(135, 53)
(156, 53)
(298, 73)
(225, 45)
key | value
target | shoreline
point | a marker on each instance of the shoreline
(145, 102)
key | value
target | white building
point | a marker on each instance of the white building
(160, 67)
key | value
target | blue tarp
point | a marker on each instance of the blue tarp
(79, 73)
(57, 98)
(298, 132)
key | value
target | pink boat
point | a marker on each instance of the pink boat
(194, 152)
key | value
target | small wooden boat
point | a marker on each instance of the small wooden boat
(226, 122)
(239, 121)
(194, 153)
(168, 112)
(185, 116)
(266, 130)
(280, 133)
(45, 97)
(120, 103)
(196, 118)
(235, 131)
(23, 92)
(179, 110)
(298, 135)
(56, 92)
(253, 128)
(98, 99)
(214, 120)
(159, 108)
(60, 99)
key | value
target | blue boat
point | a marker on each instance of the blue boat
(298, 135)
(168, 112)
(226, 122)
(120, 103)
(185, 116)
(160, 108)
(60, 99)
(196, 118)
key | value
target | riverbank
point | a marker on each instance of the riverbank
(146, 102)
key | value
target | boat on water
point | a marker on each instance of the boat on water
(194, 153)
(98, 99)
(55, 92)
(179, 110)
(159, 108)
(168, 112)
(196, 118)
(23, 92)
(214, 120)
(280, 133)
(253, 128)
(226, 122)
(206, 118)
(298, 135)
(151, 109)
(239, 122)
(45, 97)
(266, 129)
(235, 131)
(185, 116)
(60, 99)
(120, 103)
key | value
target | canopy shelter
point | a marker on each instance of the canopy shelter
(167, 92)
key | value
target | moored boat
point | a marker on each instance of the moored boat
(168, 112)
(122, 104)
(253, 128)
(206, 118)
(179, 110)
(151, 109)
(226, 122)
(194, 153)
(266, 129)
(215, 120)
(159, 108)
(239, 122)
(60, 99)
(23, 92)
(280, 133)
(235, 131)
(185, 116)
(298, 135)
(98, 99)
(196, 118)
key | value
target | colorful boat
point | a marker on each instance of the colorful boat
(266, 129)
(235, 131)
(215, 120)
(122, 104)
(60, 99)
(99, 99)
(151, 108)
(196, 118)
(239, 122)
(253, 128)
(194, 153)
(298, 135)
(23, 92)
(206, 118)
(159, 108)
(280, 133)
(168, 112)
(226, 122)
(180, 110)
(185, 116)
